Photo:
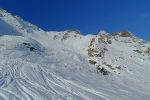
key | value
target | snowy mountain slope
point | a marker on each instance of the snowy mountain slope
(39, 65)
(72, 40)
(22, 28)
(7, 29)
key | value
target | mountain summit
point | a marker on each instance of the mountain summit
(40, 65)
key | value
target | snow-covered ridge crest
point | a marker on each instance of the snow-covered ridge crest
(18, 23)
(127, 36)
(103, 32)
(18, 26)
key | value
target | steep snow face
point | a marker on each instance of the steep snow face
(14, 25)
(6, 29)
(39, 65)
(18, 24)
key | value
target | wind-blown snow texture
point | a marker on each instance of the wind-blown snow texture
(39, 65)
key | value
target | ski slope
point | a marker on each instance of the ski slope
(59, 68)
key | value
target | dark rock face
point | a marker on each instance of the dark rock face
(65, 36)
(123, 34)
(28, 45)
(32, 49)
(147, 51)
(96, 49)
(103, 71)
(92, 62)
(76, 31)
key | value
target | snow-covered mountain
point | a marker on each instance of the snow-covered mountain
(39, 65)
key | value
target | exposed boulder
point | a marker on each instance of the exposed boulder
(103, 71)
(92, 62)
(109, 41)
(32, 49)
(147, 51)
(28, 45)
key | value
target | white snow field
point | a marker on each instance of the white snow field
(39, 65)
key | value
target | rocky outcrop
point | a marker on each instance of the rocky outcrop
(31, 48)
(123, 34)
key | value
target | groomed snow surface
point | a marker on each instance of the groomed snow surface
(58, 68)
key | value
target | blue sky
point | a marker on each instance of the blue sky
(89, 16)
